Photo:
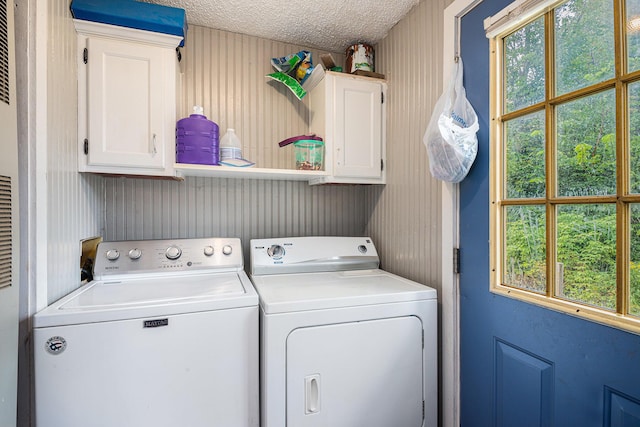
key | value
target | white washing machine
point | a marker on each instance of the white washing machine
(167, 335)
(343, 343)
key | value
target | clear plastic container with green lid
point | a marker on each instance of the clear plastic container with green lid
(309, 154)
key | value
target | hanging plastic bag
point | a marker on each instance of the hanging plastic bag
(450, 138)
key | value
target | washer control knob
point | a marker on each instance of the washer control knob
(173, 252)
(275, 251)
(135, 253)
(227, 249)
(208, 250)
(113, 254)
(362, 249)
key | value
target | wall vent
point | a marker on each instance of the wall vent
(4, 53)
(5, 231)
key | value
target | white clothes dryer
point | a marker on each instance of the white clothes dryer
(343, 343)
(167, 335)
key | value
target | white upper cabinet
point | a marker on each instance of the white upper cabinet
(349, 113)
(127, 88)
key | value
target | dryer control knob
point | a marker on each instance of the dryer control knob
(275, 251)
(113, 254)
(227, 249)
(173, 252)
(208, 250)
(135, 253)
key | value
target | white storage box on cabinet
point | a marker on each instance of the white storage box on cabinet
(127, 88)
(349, 112)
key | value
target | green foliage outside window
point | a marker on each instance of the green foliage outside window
(575, 121)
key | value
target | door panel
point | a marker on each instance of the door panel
(124, 120)
(524, 387)
(358, 129)
(621, 410)
(522, 364)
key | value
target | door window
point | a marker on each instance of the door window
(565, 162)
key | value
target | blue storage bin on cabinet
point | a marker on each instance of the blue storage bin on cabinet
(133, 14)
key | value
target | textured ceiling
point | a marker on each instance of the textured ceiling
(331, 25)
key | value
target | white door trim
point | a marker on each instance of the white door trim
(450, 226)
(38, 164)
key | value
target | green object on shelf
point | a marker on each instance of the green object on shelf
(309, 154)
(293, 85)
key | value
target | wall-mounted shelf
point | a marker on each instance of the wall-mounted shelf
(183, 170)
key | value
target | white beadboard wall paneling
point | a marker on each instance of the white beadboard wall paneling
(138, 209)
(75, 203)
(404, 216)
(225, 73)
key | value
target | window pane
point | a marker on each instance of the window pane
(525, 157)
(634, 136)
(586, 155)
(584, 44)
(525, 265)
(586, 263)
(633, 34)
(634, 266)
(524, 65)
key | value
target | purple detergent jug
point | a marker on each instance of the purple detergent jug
(197, 139)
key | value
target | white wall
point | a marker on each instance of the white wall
(244, 208)
(74, 202)
(225, 73)
(59, 207)
(404, 216)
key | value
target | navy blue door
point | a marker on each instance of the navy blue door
(521, 364)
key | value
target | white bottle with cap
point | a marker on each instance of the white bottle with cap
(230, 147)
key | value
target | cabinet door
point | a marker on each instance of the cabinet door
(359, 374)
(358, 129)
(125, 104)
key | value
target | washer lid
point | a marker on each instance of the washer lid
(284, 293)
(108, 300)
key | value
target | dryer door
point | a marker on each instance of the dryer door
(367, 374)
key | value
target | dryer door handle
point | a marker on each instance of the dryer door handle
(312, 394)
